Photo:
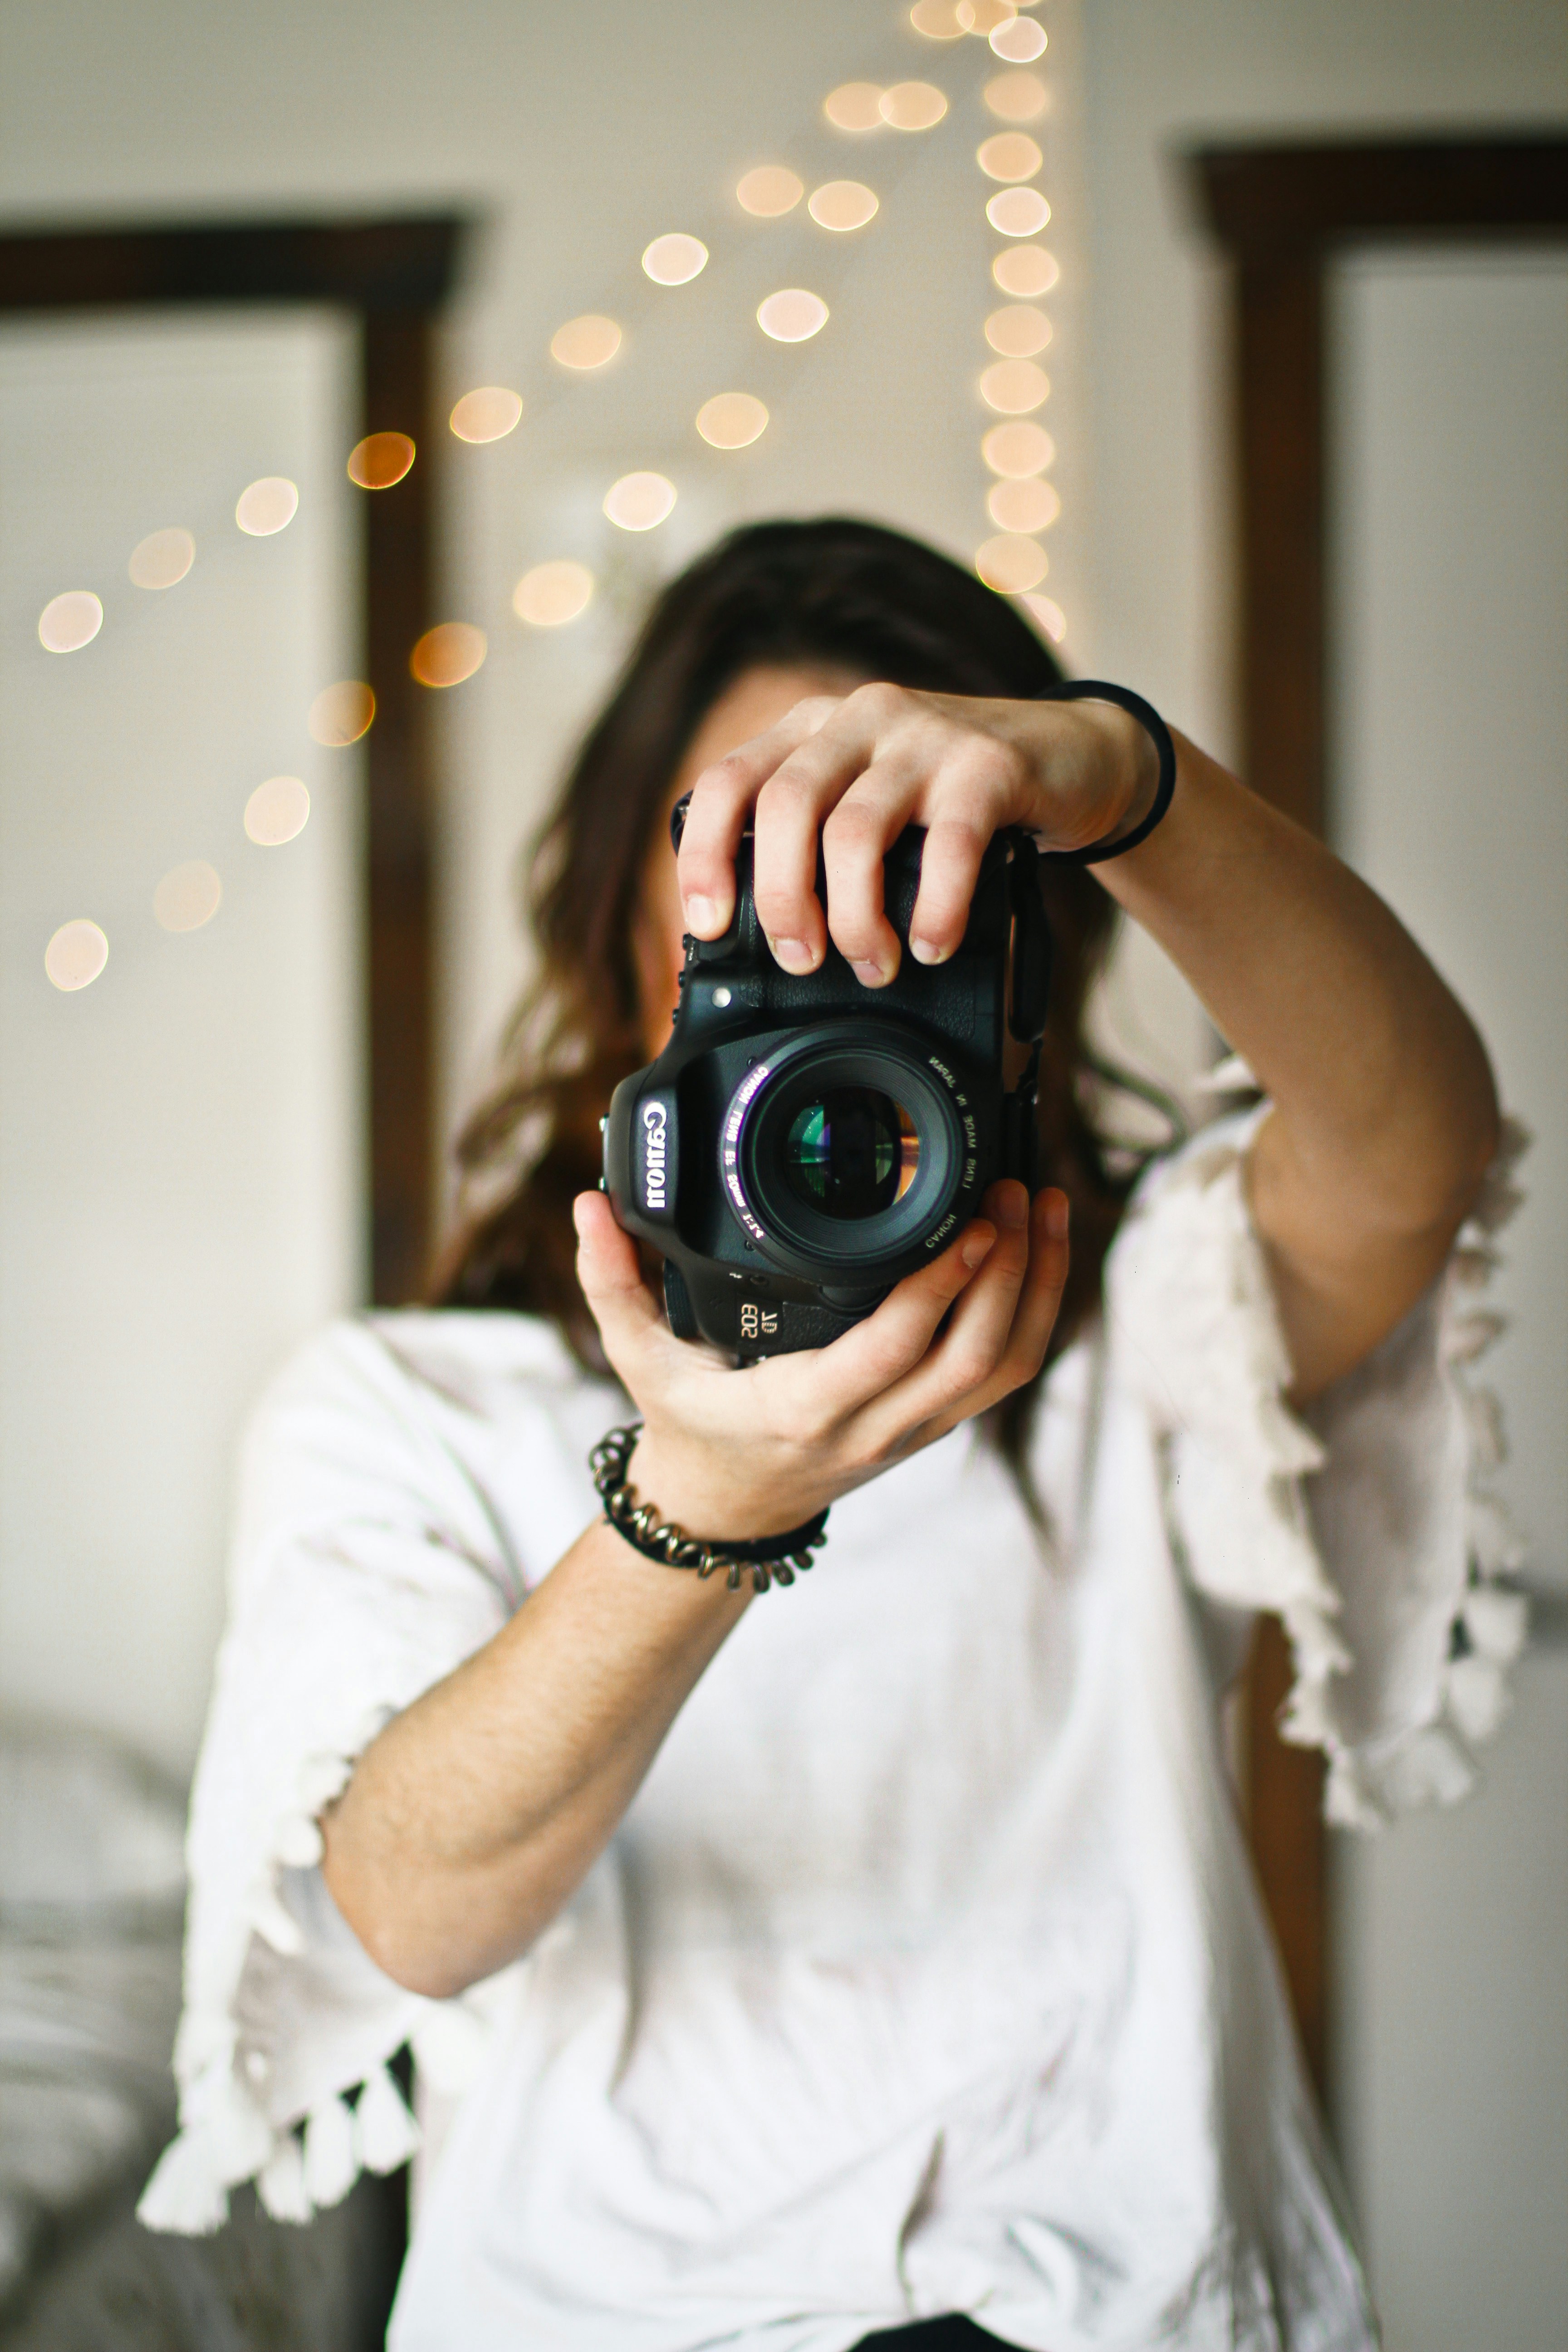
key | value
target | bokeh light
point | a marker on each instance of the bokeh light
(1018, 331)
(1030, 505)
(161, 559)
(639, 502)
(1009, 155)
(913, 105)
(589, 342)
(1019, 41)
(984, 16)
(340, 714)
(1019, 212)
(380, 460)
(1049, 616)
(1017, 450)
(732, 420)
(770, 190)
(937, 19)
(1017, 97)
(277, 810)
(841, 204)
(187, 897)
(792, 315)
(488, 414)
(447, 654)
(76, 955)
(69, 622)
(1014, 387)
(674, 260)
(553, 593)
(854, 106)
(1011, 565)
(267, 505)
(1027, 271)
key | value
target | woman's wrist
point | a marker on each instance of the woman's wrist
(686, 1485)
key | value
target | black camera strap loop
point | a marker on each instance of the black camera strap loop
(1097, 690)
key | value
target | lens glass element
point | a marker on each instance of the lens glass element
(851, 1152)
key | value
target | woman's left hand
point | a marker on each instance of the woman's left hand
(856, 769)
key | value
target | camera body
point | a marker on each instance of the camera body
(803, 1142)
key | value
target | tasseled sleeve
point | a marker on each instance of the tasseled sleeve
(1370, 1523)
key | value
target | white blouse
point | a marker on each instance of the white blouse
(925, 1972)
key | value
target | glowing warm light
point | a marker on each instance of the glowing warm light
(1011, 565)
(792, 316)
(1022, 506)
(984, 16)
(380, 460)
(553, 593)
(340, 714)
(913, 105)
(1017, 450)
(447, 654)
(1014, 386)
(1017, 97)
(841, 204)
(1019, 41)
(732, 420)
(589, 342)
(1009, 155)
(639, 502)
(1049, 616)
(1019, 212)
(187, 897)
(770, 190)
(277, 810)
(854, 106)
(488, 414)
(674, 260)
(76, 955)
(1018, 331)
(937, 19)
(267, 506)
(1028, 271)
(69, 622)
(161, 559)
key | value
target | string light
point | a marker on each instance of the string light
(162, 559)
(1027, 271)
(769, 191)
(76, 955)
(674, 260)
(639, 502)
(984, 17)
(1018, 450)
(1019, 212)
(69, 622)
(553, 593)
(1009, 155)
(488, 414)
(732, 420)
(1050, 616)
(187, 897)
(1019, 41)
(591, 341)
(380, 460)
(1014, 386)
(1029, 505)
(1011, 565)
(276, 812)
(340, 714)
(792, 315)
(937, 20)
(1017, 97)
(1018, 331)
(447, 654)
(854, 106)
(267, 507)
(913, 105)
(842, 204)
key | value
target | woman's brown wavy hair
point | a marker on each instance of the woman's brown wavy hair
(837, 591)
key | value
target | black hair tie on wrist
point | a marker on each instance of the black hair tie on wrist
(1094, 690)
(772, 1559)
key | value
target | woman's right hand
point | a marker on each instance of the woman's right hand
(751, 1453)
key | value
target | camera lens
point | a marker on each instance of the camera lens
(851, 1152)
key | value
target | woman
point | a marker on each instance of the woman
(882, 1953)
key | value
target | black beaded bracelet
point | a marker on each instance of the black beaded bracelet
(773, 1560)
(1096, 689)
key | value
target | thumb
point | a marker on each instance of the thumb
(609, 1272)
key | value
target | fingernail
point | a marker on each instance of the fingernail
(977, 1247)
(700, 914)
(870, 975)
(794, 954)
(1012, 1205)
(1057, 1215)
(927, 951)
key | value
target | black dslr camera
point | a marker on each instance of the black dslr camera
(801, 1143)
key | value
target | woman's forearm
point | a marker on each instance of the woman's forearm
(1385, 1114)
(477, 1811)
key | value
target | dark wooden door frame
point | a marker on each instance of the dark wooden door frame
(1283, 214)
(393, 276)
